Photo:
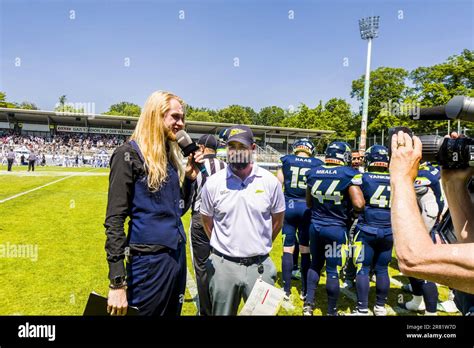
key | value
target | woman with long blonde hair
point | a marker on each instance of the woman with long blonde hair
(149, 185)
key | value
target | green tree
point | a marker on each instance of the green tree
(200, 114)
(304, 117)
(63, 106)
(437, 84)
(27, 106)
(4, 103)
(270, 116)
(385, 120)
(124, 109)
(251, 114)
(337, 116)
(386, 85)
(62, 100)
(235, 114)
(203, 116)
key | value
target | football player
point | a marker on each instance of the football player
(373, 241)
(331, 193)
(292, 174)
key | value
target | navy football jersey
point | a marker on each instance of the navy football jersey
(294, 170)
(330, 194)
(376, 189)
(429, 175)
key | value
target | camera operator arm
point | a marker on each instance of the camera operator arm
(461, 206)
(448, 264)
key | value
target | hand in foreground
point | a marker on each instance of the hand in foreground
(405, 158)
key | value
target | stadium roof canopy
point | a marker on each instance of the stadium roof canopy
(13, 116)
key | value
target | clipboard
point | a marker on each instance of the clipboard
(97, 306)
(264, 299)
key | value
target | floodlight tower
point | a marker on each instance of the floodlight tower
(369, 30)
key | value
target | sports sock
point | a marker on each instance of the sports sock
(286, 268)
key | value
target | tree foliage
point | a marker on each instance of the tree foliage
(236, 114)
(124, 109)
(386, 84)
(270, 115)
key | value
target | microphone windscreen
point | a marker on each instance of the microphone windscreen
(185, 142)
(183, 139)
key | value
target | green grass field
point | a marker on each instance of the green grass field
(65, 221)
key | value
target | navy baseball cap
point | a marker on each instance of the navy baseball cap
(209, 141)
(242, 134)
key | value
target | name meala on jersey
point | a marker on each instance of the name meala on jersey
(326, 171)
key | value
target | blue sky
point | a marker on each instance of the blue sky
(282, 61)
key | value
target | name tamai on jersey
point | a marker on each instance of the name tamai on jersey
(429, 175)
(329, 191)
(376, 189)
(294, 170)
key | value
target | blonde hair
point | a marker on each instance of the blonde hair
(151, 136)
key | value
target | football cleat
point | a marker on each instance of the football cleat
(308, 310)
(358, 312)
(414, 306)
(380, 311)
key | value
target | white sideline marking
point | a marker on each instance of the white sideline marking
(32, 190)
(37, 188)
(192, 287)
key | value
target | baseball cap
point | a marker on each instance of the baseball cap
(209, 141)
(242, 134)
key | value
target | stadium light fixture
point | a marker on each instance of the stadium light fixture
(369, 30)
(369, 27)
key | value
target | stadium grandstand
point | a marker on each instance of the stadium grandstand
(78, 139)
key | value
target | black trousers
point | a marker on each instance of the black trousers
(201, 250)
(10, 164)
(31, 165)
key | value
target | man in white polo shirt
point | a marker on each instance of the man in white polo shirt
(242, 210)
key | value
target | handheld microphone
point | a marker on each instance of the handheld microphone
(188, 146)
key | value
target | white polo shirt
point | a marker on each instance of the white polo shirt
(242, 210)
